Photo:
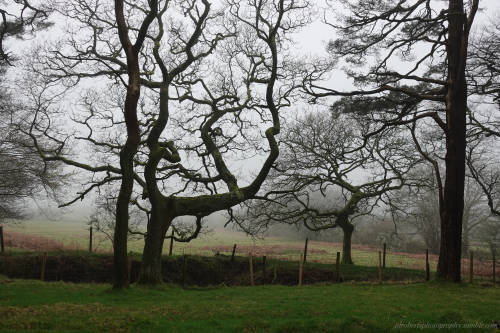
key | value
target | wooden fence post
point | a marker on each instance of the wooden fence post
(44, 264)
(171, 243)
(90, 239)
(305, 250)
(275, 275)
(301, 264)
(379, 266)
(264, 259)
(250, 262)
(385, 249)
(337, 267)
(427, 267)
(471, 267)
(494, 270)
(1, 240)
(232, 255)
(184, 270)
(129, 264)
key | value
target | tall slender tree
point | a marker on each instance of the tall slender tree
(129, 149)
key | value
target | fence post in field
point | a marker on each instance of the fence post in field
(232, 255)
(129, 264)
(305, 250)
(1, 239)
(379, 266)
(171, 243)
(90, 239)
(494, 270)
(264, 259)
(385, 249)
(275, 275)
(337, 267)
(250, 262)
(184, 270)
(471, 267)
(301, 264)
(44, 264)
(427, 267)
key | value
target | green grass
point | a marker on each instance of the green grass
(63, 307)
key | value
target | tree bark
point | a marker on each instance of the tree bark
(456, 105)
(151, 272)
(347, 230)
(120, 260)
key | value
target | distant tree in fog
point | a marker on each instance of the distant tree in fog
(23, 174)
(328, 173)
(418, 207)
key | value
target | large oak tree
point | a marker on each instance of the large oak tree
(213, 83)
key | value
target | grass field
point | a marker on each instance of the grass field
(63, 307)
(75, 235)
(33, 306)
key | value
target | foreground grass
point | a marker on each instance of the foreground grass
(63, 307)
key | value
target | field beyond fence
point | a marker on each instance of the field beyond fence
(60, 237)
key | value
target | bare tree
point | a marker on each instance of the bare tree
(129, 149)
(484, 82)
(488, 233)
(214, 83)
(16, 18)
(425, 217)
(419, 207)
(476, 212)
(483, 74)
(22, 173)
(323, 154)
(103, 217)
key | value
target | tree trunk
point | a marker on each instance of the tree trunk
(456, 105)
(151, 272)
(120, 260)
(347, 229)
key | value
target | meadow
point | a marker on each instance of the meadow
(429, 307)
(360, 304)
(74, 235)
